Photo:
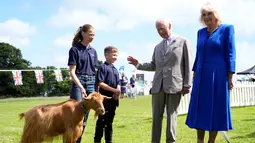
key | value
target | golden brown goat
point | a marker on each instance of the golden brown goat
(44, 122)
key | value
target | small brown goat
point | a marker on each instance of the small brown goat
(44, 122)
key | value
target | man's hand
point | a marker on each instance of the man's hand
(186, 90)
(132, 60)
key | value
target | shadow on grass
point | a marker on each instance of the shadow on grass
(148, 119)
(251, 135)
(248, 120)
(121, 126)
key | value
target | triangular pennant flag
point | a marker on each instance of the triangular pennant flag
(121, 68)
(58, 75)
(39, 76)
(17, 77)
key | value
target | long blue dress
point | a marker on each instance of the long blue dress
(209, 107)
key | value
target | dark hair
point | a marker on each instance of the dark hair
(110, 49)
(78, 37)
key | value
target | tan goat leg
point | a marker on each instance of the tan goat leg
(77, 132)
(72, 135)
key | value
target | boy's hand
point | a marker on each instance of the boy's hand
(117, 91)
(116, 94)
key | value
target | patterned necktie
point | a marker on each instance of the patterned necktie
(165, 46)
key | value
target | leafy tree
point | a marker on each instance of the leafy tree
(11, 58)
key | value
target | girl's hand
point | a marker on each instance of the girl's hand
(83, 93)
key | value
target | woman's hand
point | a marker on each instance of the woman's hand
(230, 84)
(230, 81)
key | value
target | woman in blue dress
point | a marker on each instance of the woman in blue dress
(214, 66)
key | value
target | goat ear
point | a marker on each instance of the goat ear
(106, 97)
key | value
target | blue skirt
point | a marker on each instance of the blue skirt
(209, 107)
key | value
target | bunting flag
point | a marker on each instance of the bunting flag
(17, 77)
(39, 76)
(58, 75)
(121, 68)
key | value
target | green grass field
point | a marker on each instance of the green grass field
(132, 122)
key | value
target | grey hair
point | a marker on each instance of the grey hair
(162, 21)
(209, 7)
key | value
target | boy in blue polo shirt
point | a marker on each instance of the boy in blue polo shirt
(109, 85)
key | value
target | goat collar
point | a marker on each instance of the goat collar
(84, 108)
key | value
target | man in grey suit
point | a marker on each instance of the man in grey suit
(171, 61)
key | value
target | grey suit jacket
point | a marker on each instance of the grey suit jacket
(173, 68)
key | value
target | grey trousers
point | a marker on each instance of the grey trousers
(159, 102)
